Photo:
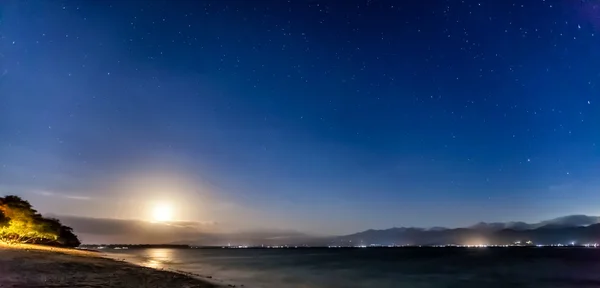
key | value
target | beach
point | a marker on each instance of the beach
(33, 266)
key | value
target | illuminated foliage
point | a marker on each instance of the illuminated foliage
(20, 223)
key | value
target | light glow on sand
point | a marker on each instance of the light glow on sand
(162, 213)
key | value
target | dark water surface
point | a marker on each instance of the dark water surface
(399, 267)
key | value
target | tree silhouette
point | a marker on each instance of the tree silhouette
(20, 223)
(65, 235)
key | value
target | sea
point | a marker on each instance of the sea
(380, 267)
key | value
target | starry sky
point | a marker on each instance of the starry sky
(327, 117)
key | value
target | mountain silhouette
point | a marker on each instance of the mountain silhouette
(563, 230)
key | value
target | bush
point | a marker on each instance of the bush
(20, 223)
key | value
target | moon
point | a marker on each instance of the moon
(162, 213)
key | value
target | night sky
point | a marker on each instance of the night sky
(319, 116)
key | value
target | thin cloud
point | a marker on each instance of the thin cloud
(191, 224)
(84, 198)
(130, 231)
(66, 196)
(99, 230)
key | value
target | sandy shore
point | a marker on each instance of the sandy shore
(33, 266)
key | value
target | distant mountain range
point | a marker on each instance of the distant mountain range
(573, 228)
(566, 221)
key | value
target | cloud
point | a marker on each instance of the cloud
(124, 231)
(67, 196)
(191, 224)
(45, 193)
(77, 197)
(129, 231)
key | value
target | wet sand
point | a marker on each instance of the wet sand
(33, 266)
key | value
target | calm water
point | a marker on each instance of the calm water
(417, 267)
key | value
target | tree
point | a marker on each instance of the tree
(20, 223)
(3, 219)
(65, 235)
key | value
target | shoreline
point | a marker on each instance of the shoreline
(136, 262)
(40, 266)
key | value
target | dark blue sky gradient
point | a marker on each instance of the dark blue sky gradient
(322, 116)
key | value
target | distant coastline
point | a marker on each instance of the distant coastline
(449, 246)
(133, 246)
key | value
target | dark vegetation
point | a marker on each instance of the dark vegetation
(21, 224)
